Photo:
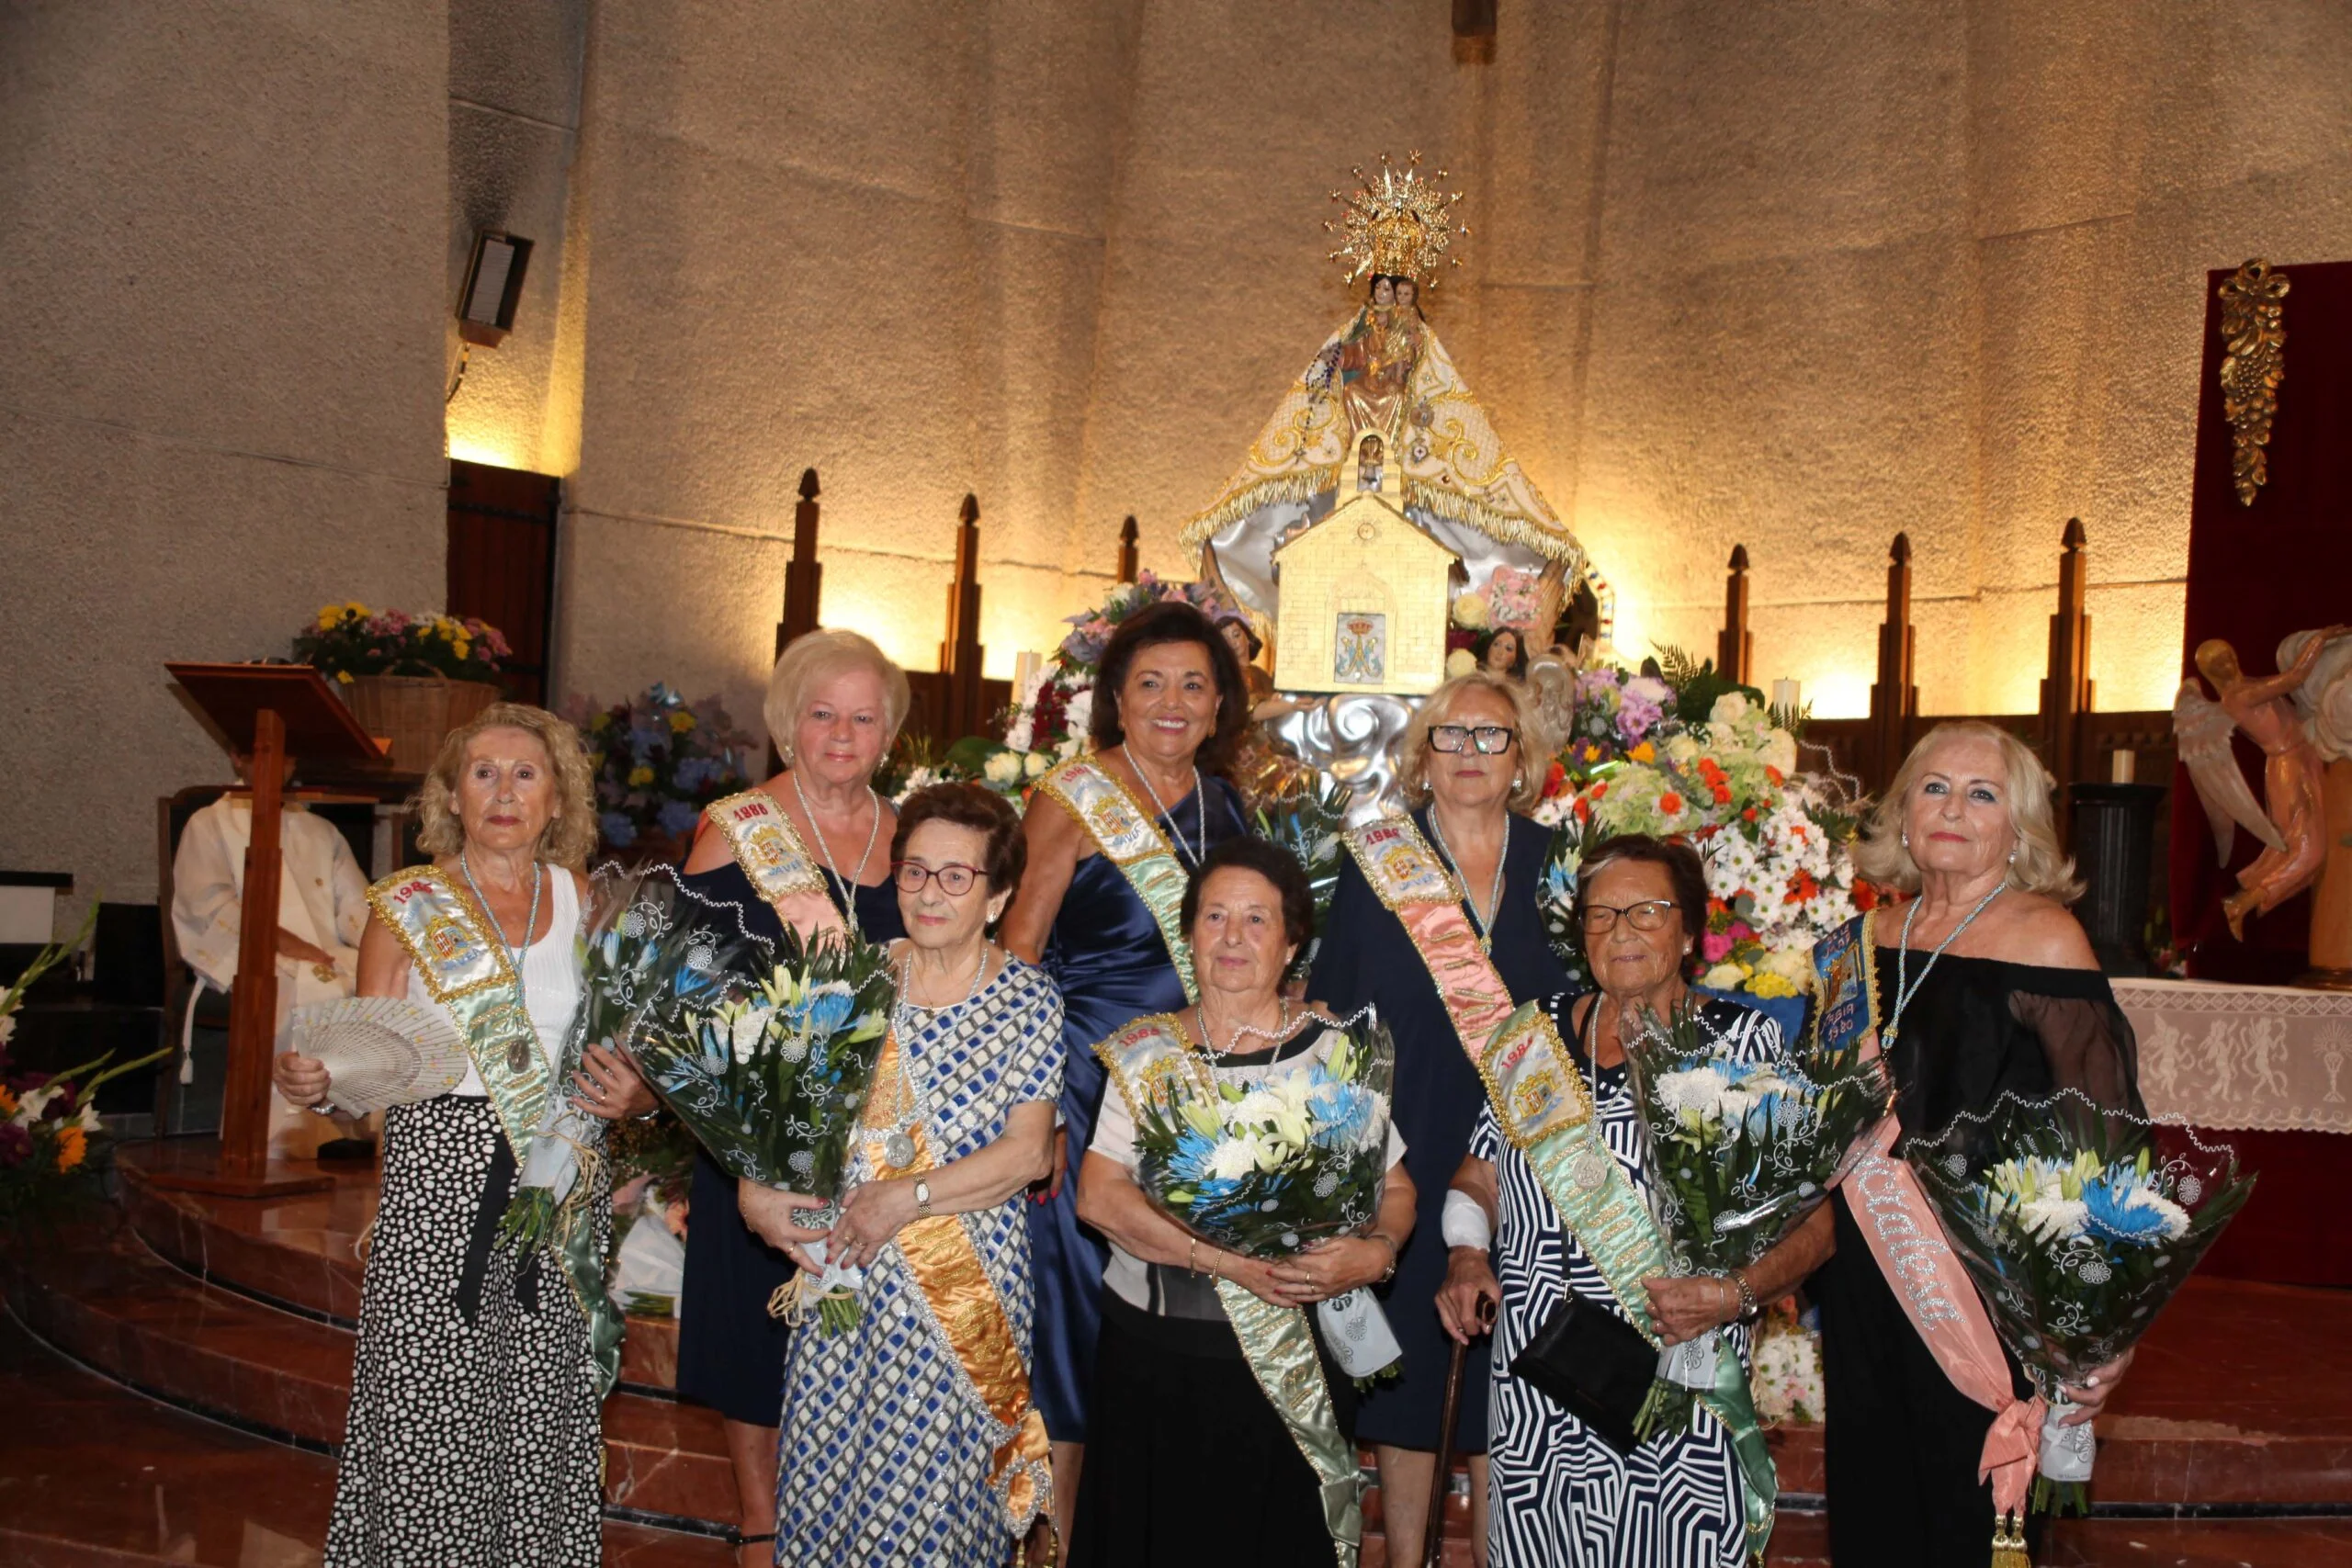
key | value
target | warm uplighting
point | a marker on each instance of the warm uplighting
(498, 455)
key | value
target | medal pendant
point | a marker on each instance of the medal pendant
(1588, 1169)
(899, 1150)
(518, 1057)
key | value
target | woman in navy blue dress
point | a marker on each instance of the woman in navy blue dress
(833, 705)
(1168, 706)
(1464, 793)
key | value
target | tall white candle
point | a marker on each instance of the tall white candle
(2120, 763)
(1024, 665)
(1784, 695)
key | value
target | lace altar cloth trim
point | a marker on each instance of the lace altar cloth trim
(2260, 1058)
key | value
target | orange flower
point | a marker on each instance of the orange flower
(1597, 791)
(7, 1103)
(1774, 775)
(72, 1146)
(1671, 804)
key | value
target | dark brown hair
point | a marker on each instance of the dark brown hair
(1684, 874)
(1276, 864)
(983, 810)
(1171, 620)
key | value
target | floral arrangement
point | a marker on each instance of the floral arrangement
(1269, 1170)
(1741, 1151)
(2078, 1224)
(1775, 842)
(349, 639)
(1616, 713)
(764, 1054)
(1785, 1361)
(51, 1139)
(658, 761)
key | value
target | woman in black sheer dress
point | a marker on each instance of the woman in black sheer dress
(1985, 985)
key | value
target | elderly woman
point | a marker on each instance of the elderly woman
(1469, 767)
(833, 705)
(1112, 838)
(1985, 984)
(1560, 1494)
(1189, 1462)
(890, 1439)
(474, 1436)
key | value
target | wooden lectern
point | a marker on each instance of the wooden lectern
(270, 712)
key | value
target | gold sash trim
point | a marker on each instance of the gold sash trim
(467, 971)
(766, 845)
(969, 1316)
(1128, 838)
(1278, 1342)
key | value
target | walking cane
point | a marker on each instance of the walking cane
(1433, 1524)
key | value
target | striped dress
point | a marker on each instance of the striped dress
(1559, 1496)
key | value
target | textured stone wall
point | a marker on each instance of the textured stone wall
(222, 229)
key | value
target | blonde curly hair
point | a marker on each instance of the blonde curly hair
(2040, 864)
(1532, 753)
(569, 836)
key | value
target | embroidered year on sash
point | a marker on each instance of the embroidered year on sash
(1126, 834)
(969, 1316)
(467, 971)
(1543, 1106)
(1145, 1059)
(766, 845)
(1908, 1241)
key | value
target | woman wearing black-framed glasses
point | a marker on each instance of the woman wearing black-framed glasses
(1470, 767)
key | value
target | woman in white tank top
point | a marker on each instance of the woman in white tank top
(474, 1438)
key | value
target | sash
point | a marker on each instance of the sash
(1129, 840)
(1908, 1241)
(967, 1316)
(1277, 1342)
(1413, 885)
(766, 845)
(468, 972)
(1544, 1108)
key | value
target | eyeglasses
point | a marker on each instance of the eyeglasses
(954, 880)
(1489, 739)
(1648, 915)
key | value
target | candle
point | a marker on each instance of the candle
(1024, 665)
(1784, 697)
(2120, 763)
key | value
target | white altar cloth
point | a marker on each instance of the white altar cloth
(2263, 1059)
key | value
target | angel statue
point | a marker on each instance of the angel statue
(2292, 827)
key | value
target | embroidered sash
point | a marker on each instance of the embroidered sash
(1143, 1059)
(766, 845)
(1908, 1241)
(1544, 1108)
(967, 1315)
(467, 971)
(1128, 838)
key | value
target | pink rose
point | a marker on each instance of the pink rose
(1715, 946)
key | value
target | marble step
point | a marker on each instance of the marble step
(111, 1304)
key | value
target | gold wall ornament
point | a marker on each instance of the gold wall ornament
(1398, 222)
(2252, 306)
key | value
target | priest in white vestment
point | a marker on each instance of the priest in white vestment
(322, 910)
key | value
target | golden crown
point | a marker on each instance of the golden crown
(1396, 223)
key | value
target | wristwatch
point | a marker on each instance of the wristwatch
(922, 1197)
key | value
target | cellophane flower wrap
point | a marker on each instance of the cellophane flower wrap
(1308, 820)
(2077, 1224)
(1739, 1152)
(1268, 1171)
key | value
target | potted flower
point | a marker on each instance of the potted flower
(410, 677)
(658, 761)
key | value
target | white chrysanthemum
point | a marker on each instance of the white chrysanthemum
(2174, 1217)
(1699, 1091)
(2048, 1217)
(1234, 1158)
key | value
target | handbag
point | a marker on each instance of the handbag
(1593, 1364)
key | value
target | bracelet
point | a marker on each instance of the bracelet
(1193, 1256)
(1390, 1272)
(1747, 1307)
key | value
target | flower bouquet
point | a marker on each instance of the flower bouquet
(764, 1052)
(2078, 1224)
(1738, 1153)
(1268, 1171)
(1786, 1382)
(1307, 821)
(658, 761)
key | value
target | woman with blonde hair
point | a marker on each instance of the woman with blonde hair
(474, 1436)
(1472, 765)
(1982, 985)
(808, 849)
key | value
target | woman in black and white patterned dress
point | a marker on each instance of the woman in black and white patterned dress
(474, 1438)
(1559, 1494)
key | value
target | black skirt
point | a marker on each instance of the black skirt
(731, 1352)
(1186, 1462)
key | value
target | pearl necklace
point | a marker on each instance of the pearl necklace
(1199, 803)
(1485, 927)
(824, 847)
(518, 1055)
(1904, 993)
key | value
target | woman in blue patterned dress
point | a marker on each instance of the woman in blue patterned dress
(1558, 1494)
(1169, 705)
(887, 1445)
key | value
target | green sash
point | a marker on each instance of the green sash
(1124, 832)
(468, 972)
(1278, 1342)
(1544, 1108)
